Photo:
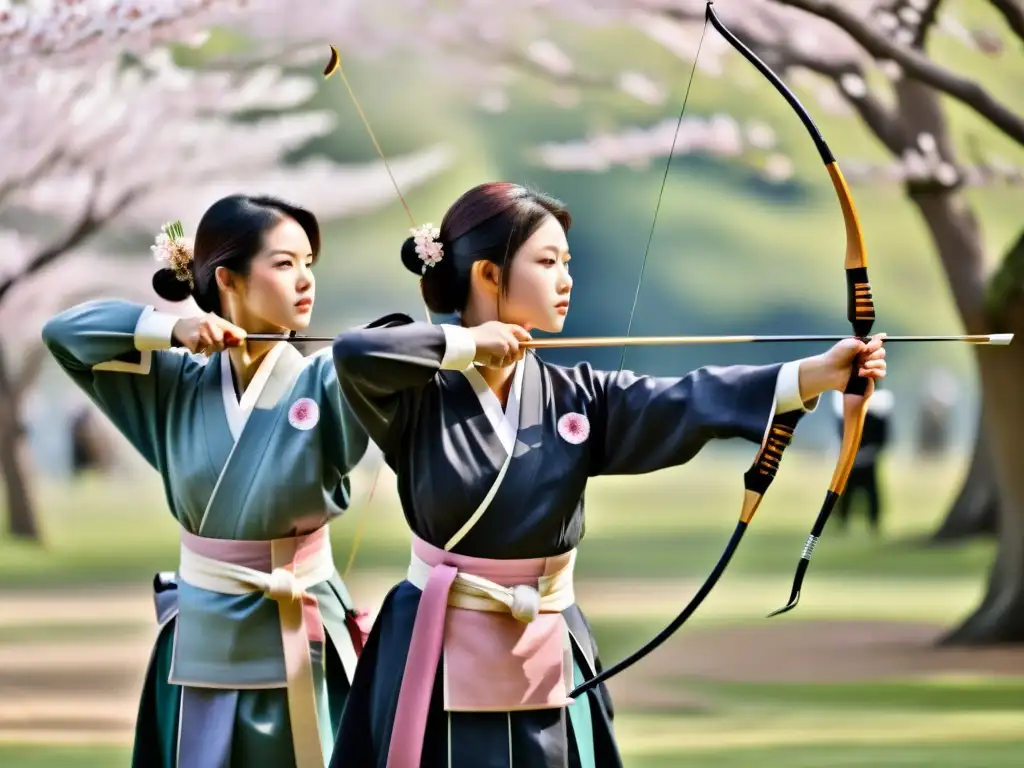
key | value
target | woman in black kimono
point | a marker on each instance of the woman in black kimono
(472, 656)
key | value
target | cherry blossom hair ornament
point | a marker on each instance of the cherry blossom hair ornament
(423, 250)
(176, 281)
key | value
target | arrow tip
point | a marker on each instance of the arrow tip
(1001, 339)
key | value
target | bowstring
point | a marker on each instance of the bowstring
(643, 267)
(361, 528)
(661, 192)
(376, 144)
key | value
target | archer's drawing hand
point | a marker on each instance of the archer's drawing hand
(207, 334)
(497, 344)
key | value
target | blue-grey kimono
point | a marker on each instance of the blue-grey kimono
(479, 480)
(264, 472)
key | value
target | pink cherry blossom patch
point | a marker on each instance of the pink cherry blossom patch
(574, 428)
(304, 413)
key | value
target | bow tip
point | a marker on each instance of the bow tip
(787, 607)
(332, 63)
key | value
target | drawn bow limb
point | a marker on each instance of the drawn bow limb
(860, 312)
(756, 482)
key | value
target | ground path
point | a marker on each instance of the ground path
(71, 664)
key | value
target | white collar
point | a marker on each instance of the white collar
(238, 409)
(504, 422)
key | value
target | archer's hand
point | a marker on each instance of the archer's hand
(869, 358)
(497, 344)
(207, 334)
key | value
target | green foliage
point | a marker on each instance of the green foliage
(921, 695)
(33, 756)
(960, 754)
(119, 532)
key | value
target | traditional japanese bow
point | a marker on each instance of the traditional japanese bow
(860, 313)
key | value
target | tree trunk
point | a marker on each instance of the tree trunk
(1000, 617)
(21, 514)
(957, 239)
(976, 509)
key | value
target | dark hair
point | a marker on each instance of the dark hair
(230, 234)
(491, 221)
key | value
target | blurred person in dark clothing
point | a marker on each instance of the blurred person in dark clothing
(864, 475)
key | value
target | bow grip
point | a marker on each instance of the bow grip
(860, 311)
(857, 385)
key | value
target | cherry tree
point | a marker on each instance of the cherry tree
(29, 299)
(108, 146)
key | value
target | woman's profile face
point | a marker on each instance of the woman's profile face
(538, 281)
(279, 292)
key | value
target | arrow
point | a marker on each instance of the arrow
(995, 339)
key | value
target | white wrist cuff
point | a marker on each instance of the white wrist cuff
(154, 329)
(459, 349)
(787, 390)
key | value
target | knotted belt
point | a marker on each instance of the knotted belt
(499, 624)
(283, 570)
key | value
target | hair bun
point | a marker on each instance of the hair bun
(168, 287)
(410, 259)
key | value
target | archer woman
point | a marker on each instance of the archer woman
(255, 443)
(470, 659)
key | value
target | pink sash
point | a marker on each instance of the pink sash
(266, 556)
(276, 567)
(492, 661)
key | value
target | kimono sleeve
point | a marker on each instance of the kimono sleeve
(119, 353)
(345, 441)
(646, 423)
(383, 366)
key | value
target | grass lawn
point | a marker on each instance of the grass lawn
(928, 753)
(650, 541)
(671, 524)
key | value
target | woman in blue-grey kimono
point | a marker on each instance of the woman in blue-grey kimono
(255, 443)
(472, 656)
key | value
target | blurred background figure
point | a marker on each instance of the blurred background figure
(864, 476)
(91, 446)
(935, 423)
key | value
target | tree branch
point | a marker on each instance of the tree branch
(883, 121)
(917, 65)
(11, 185)
(89, 222)
(1013, 12)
